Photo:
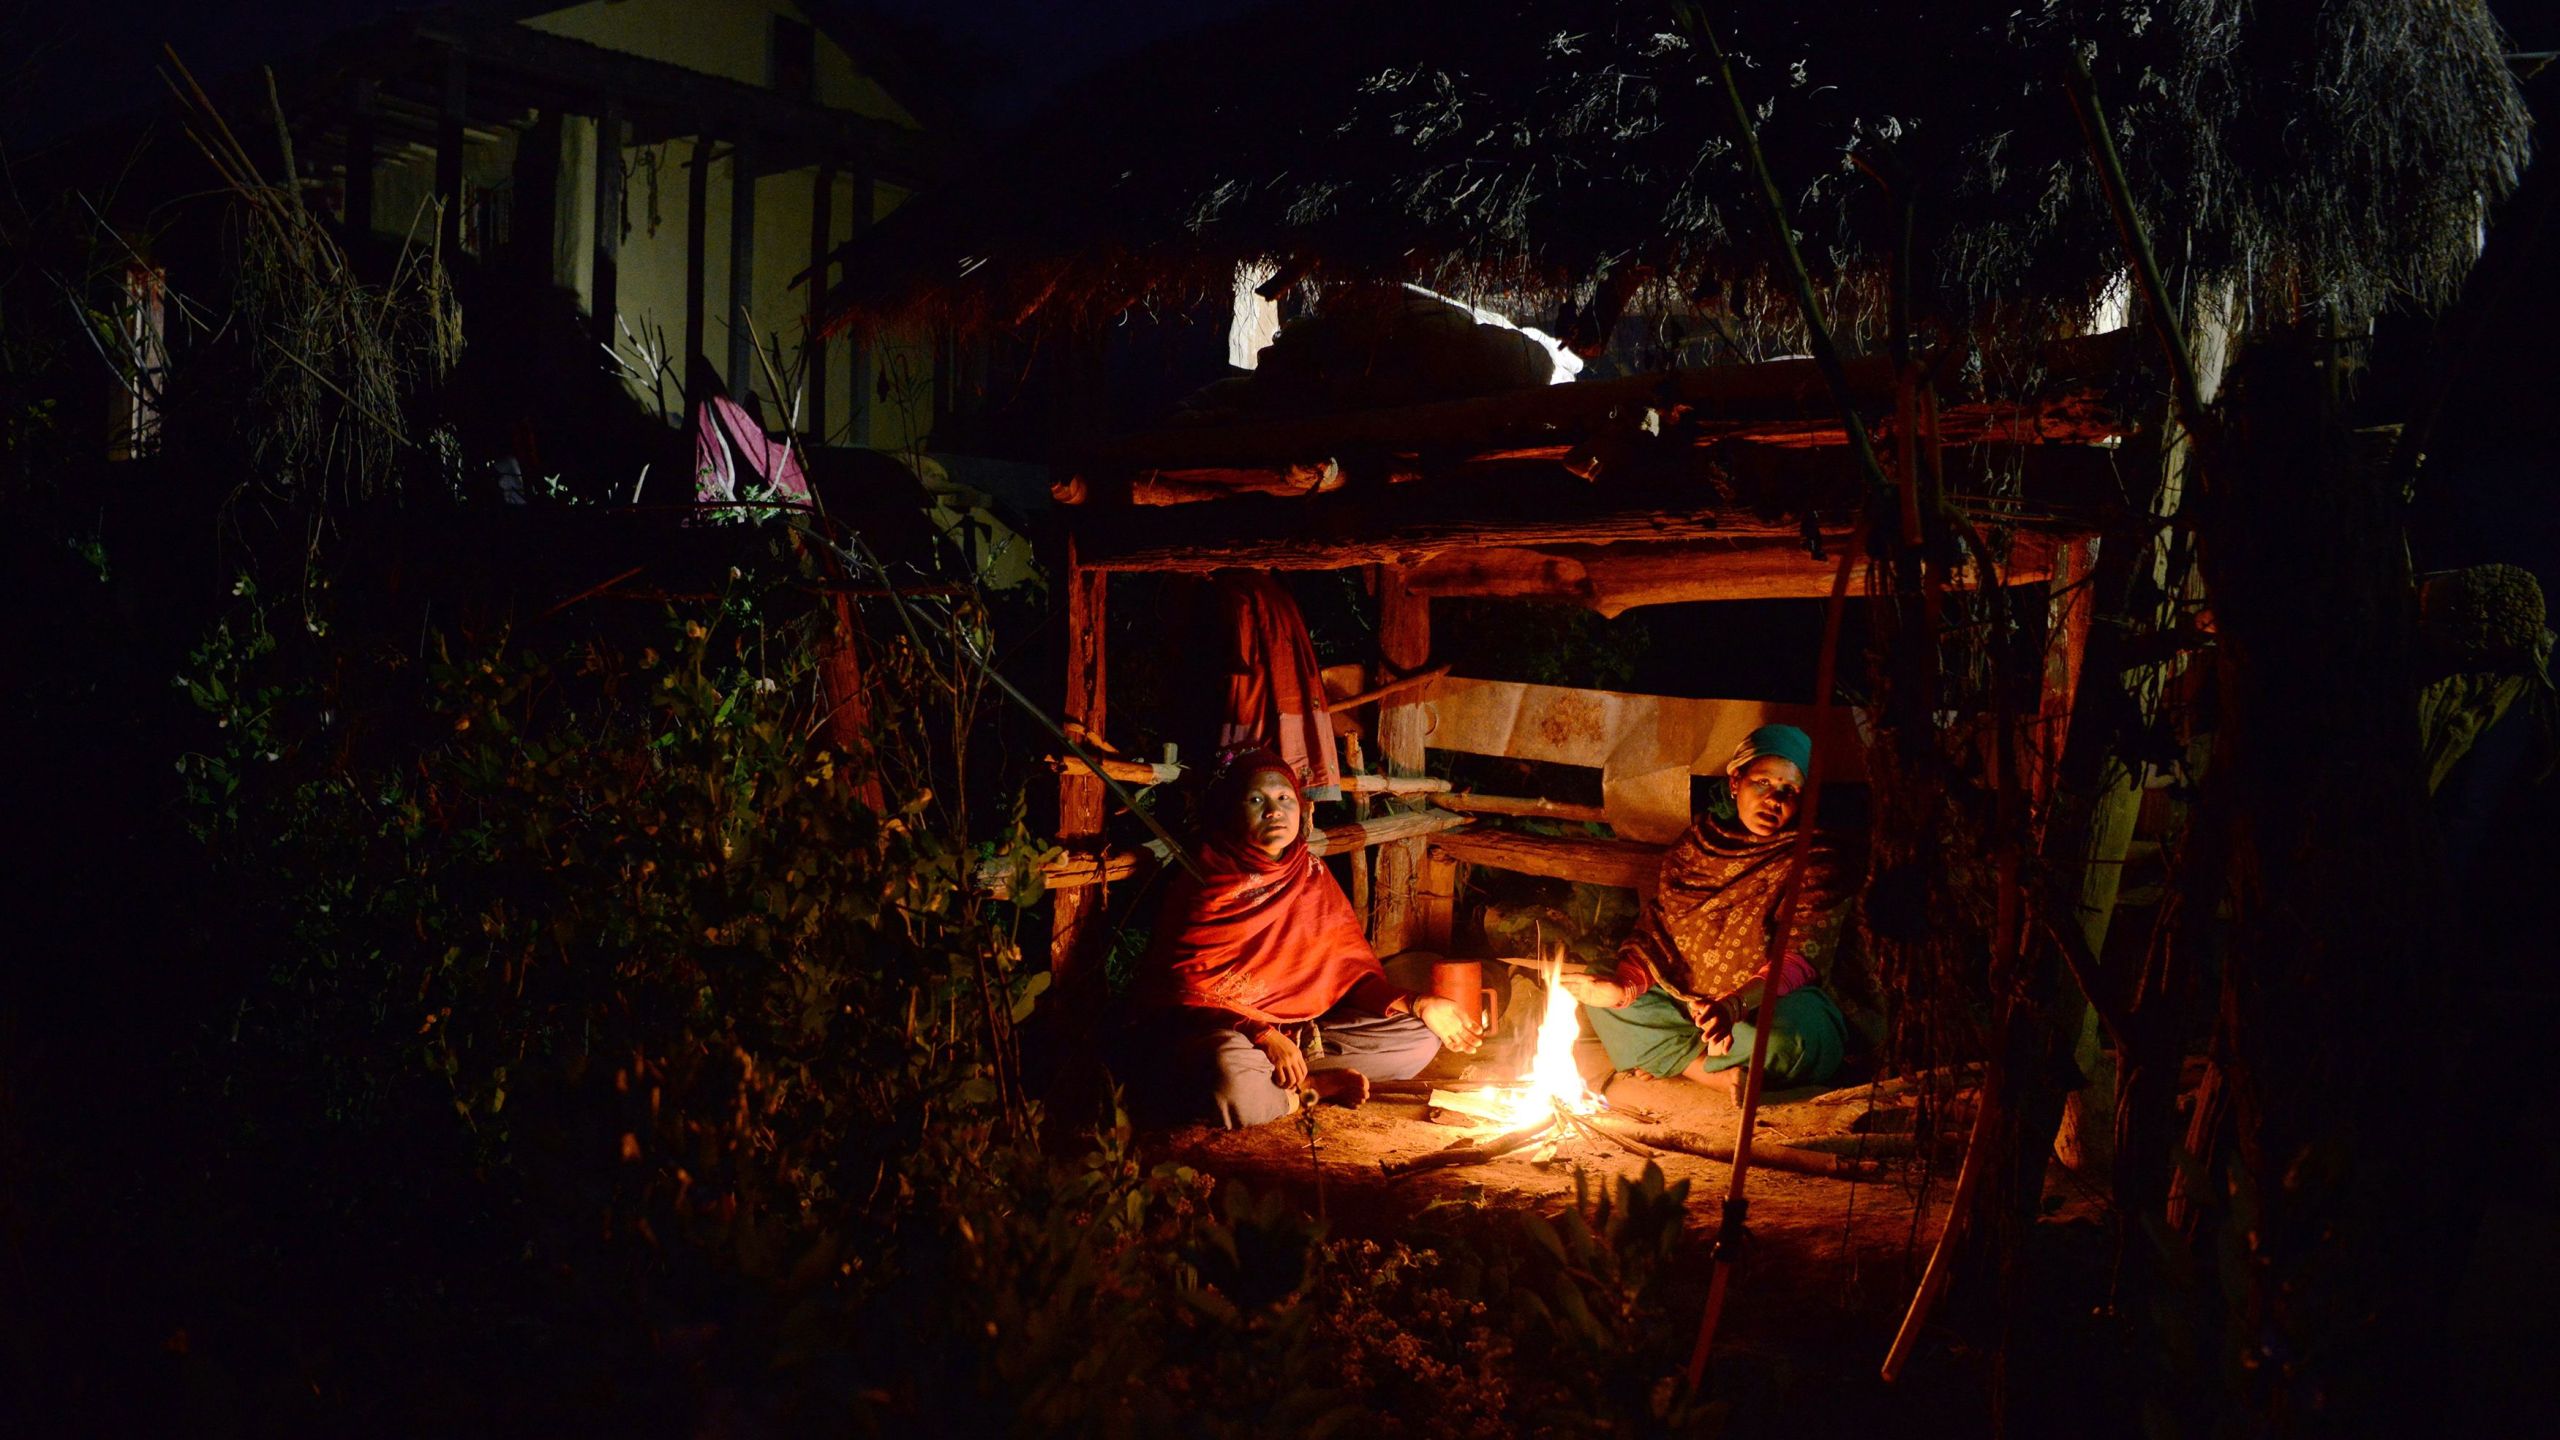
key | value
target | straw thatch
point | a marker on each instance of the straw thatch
(2343, 152)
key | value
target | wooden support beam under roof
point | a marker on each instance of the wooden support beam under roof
(1783, 402)
(1746, 530)
(1613, 579)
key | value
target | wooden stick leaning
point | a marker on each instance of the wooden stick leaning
(1729, 1230)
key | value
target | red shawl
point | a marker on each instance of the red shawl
(1272, 940)
(1275, 691)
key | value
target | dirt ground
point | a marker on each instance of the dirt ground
(1840, 1254)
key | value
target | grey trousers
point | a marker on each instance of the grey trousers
(1186, 1069)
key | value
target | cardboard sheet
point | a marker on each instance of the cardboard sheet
(1644, 746)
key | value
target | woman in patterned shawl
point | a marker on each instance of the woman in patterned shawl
(1687, 979)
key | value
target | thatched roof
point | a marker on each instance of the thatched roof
(2346, 150)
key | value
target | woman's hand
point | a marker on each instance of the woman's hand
(1714, 1018)
(1447, 1021)
(1288, 1062)
(1592, 990)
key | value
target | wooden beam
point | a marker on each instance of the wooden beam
(1613, 579)
(697, 240)
(1404, 647)
(1535, 419)
(822, 198)
(1470, 803)
(607, 290)
(1127, 772)
(1393, 785)
(742, 274)
(1626, 864)
(1400, 828)
(1402, 523)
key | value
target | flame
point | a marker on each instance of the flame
(1552, 1079)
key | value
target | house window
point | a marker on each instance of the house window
(795, 59)
(138, 331)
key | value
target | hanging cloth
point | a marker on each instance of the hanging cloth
(1275, 693)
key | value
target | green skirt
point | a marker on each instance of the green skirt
(1808, 1036)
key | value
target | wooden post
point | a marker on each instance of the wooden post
(2068, 603)
(361, 127)
(1074, 914)
(457, 94)
(1404, 644)
(607, 290)
(742, 273)
(2082, 1135)
(697, 237)
(821, 230)
(1435, 903)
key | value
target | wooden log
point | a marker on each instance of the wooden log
(1379, 692)
(1127, 772)
(1404, 645)
(1393, 785)
(1467, 802)
(1626, 864)
(1763, 1153)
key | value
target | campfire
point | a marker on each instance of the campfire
(1546, 1107)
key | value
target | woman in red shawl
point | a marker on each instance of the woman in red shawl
(1259, 985)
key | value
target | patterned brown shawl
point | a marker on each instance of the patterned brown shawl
(1704, 932)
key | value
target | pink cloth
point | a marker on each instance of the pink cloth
(731, 450)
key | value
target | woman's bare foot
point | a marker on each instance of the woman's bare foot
(1347, 1088)
(1728, 1080)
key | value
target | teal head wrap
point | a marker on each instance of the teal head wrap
(1784, 741)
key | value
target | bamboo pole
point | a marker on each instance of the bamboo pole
(1729, 1229)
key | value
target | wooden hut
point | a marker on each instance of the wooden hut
(1577, 161)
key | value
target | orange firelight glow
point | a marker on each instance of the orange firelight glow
(1552, 1080)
